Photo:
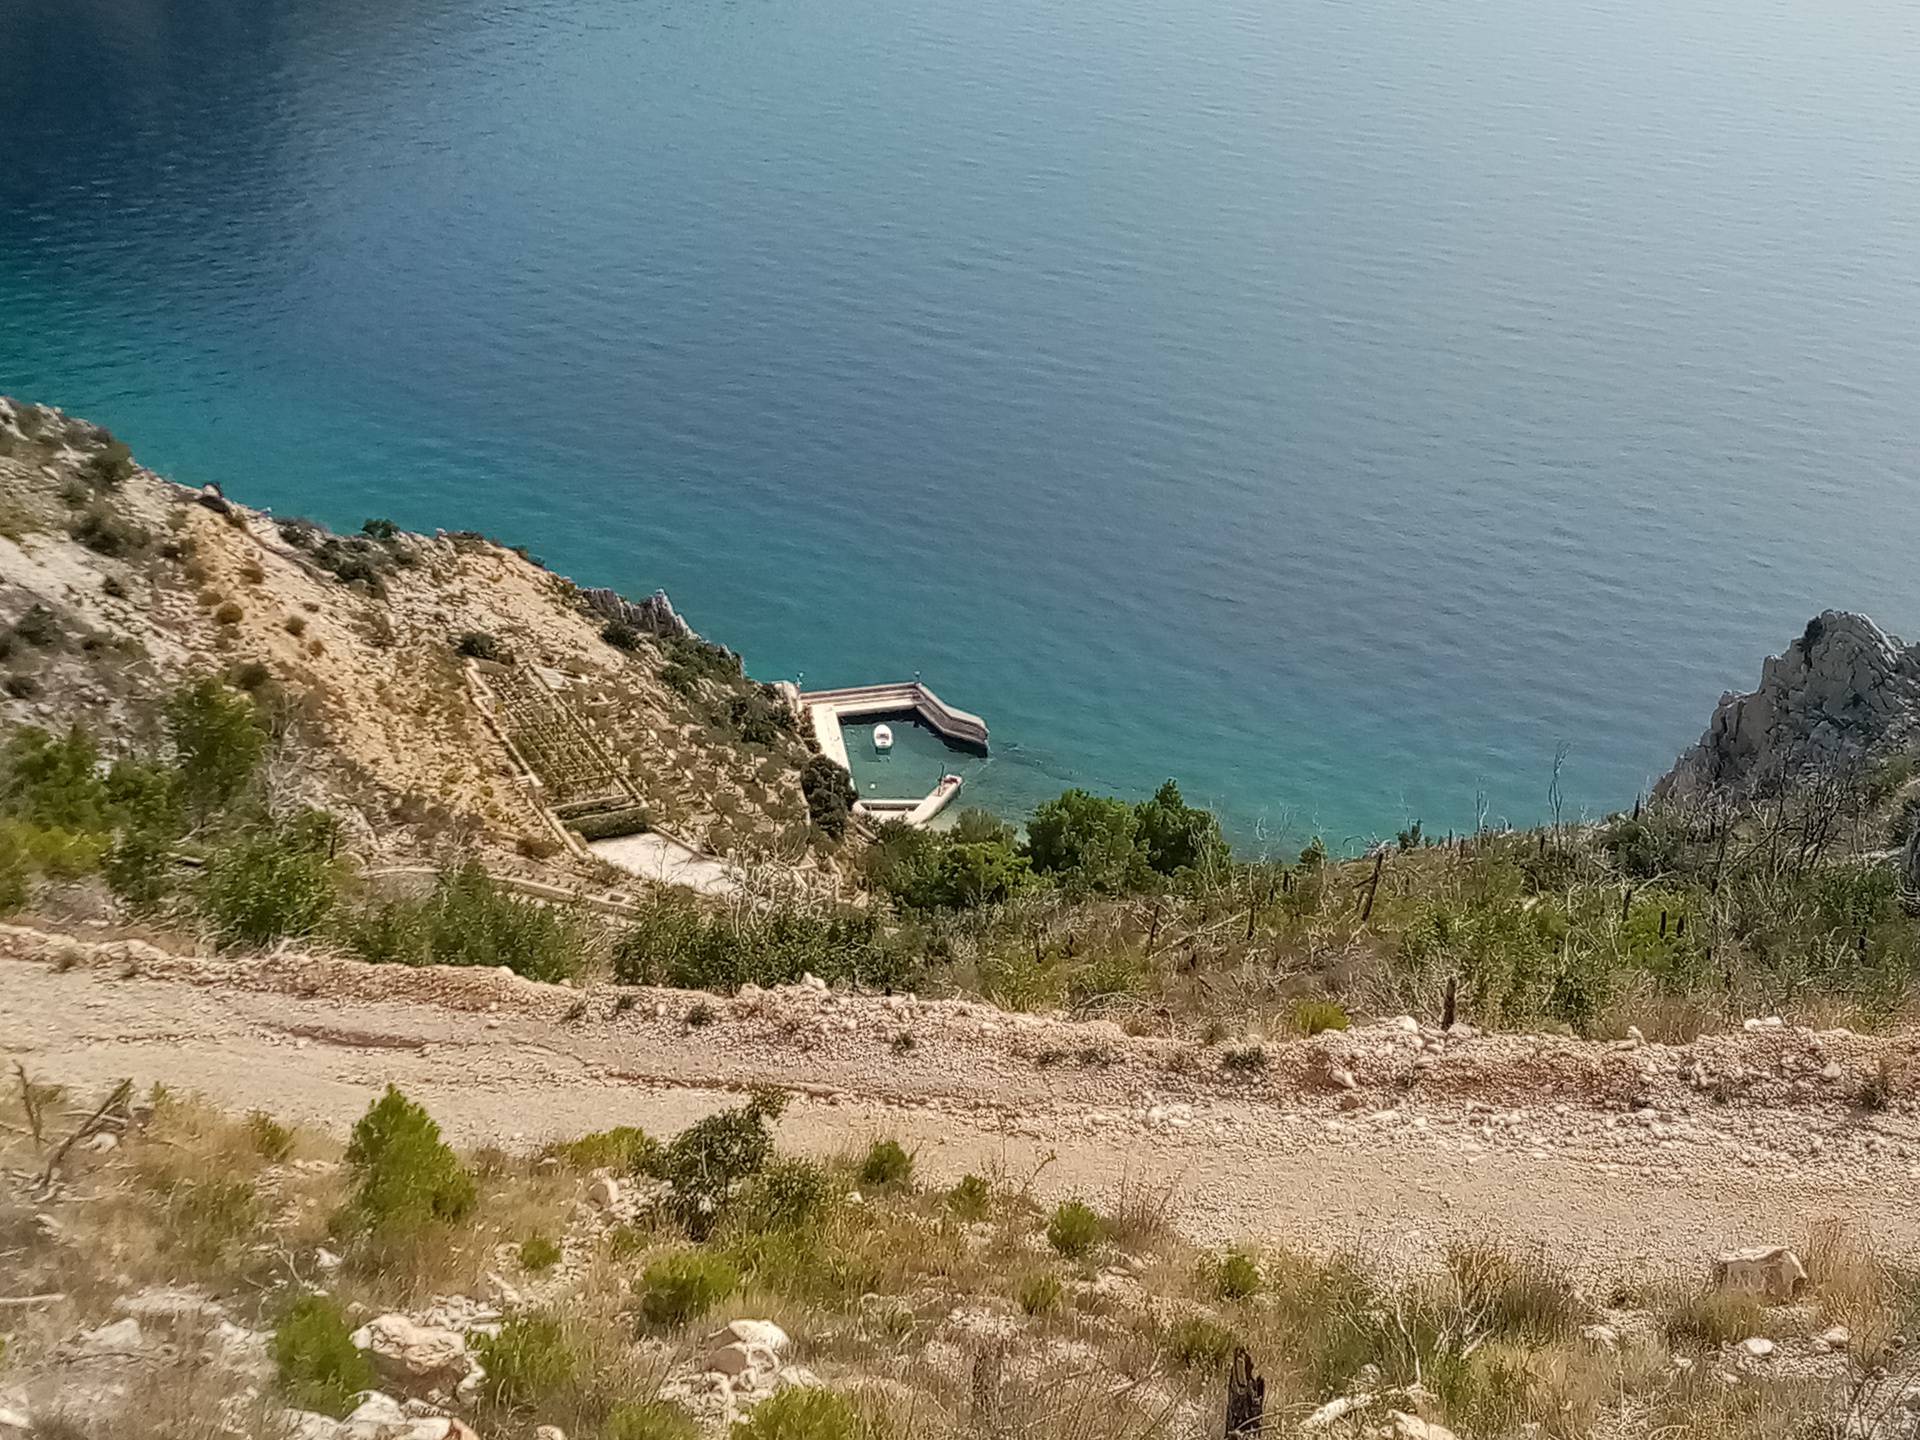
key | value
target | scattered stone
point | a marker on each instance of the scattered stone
(1403, 1426)
(1603, 1338)
(753, 1332)
(1773, 1272)
(1344, 1078)
(549, 1432)
(1758, 1346)
(604, 1192)
(1838, 1337)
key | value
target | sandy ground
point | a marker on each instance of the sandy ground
(1620, 1161)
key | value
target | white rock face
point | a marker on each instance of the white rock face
(1774, 1273)
(404, 1350)
(754, 1332)
(1844, 689)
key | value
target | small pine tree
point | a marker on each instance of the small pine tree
(406, 1176)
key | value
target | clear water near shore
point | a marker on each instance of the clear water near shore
(1334, 403)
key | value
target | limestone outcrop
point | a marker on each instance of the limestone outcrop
(654, 615)
(1842, 692)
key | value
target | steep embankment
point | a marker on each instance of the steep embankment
(116, 585)
(1394, 1135)
(1844, 691)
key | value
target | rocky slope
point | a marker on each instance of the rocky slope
(1844, 691)
(117, 585)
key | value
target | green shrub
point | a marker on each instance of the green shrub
(539, 1252)
(623, 1148)
(683, 1286)
(218, 741)
(263, 886)
(469, 920)
(1176, 836)
(611, 824)
(109, 466)
(1236, 1275)
(405, 1176)
(381, 530)
(39, 627)
(211, 1217)
(1707, 1319)
(801, 1413)
(647, 1420)
(1198, 1343)
(709, 1158)
(1314, 1017)
(675, 942)
(102, 531)
(620, 635)
(270, 1139)
(229, 614)
(1074, 1229)
(970, 1198)
(528, 1361)
(479, 645)
(313, 1352)
(1038, 1292)
(829, 795)
(1089, 841)
(786, 1195)
(887, 1165)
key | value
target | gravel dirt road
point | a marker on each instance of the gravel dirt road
(1623, 1159)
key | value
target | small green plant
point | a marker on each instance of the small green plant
(710, 1157)
(270, 1139)
(1314, 1017)
(701, 1015)
(887, 1166)
(970, 1198)
(685, 1285)
(530, 1359)
(1038, 1292)
(1236, 1275)
(406, 1177)
(787, 1195)
(538, 1253)
(229, 614)
(1198, 1343)
(802, 1413)
(620, 635)
(1248, 1059)
(647, 1420)
(1074, 1229)
(313, 1352)
(1707, 1319)
(1514, 1291)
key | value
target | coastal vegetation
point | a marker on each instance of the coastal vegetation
(315, 1274)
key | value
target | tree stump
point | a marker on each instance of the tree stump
(1246, 1396)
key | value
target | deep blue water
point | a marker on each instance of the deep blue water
(1334, 403)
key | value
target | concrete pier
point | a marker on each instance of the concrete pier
(826, 709)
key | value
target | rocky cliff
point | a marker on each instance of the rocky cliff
(1844, 690)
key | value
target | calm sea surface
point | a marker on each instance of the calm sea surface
(1337, 404)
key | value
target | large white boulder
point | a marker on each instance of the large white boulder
(404, 1350)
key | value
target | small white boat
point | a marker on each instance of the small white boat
(883, 738)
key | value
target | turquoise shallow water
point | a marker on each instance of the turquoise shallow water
(1334, 403)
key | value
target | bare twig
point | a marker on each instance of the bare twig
(91, 1125)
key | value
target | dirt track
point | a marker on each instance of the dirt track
(1620, 1160)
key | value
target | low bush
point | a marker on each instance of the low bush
(970, 1198)
(229, 614)
(479, 645)
(829, 794)
(318, 1366)
(538, 1253)
(802, 1413)
(786, 1195)
(1513, 1291)
(271, 1140)
(405, 1177)
(531, 1359)
(1198, 1343)
(611, 824)
(102, 531)
(1038, 1292)
(675, 942)
(1074, 1229)
(887, 1165)
(1249, 1059)
(1707, 1319)
(267, 885)
(109, 466)
(685, 1285)
(1236, 1275)
(620, 635)
(709, 1158)
(469, 920)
